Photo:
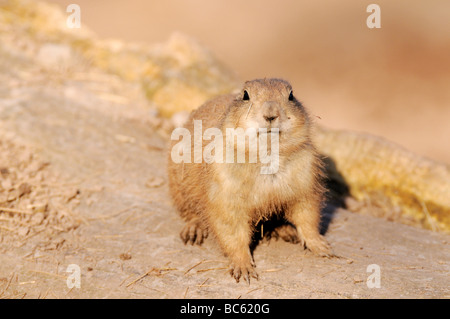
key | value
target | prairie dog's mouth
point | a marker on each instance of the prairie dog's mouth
(269, 130)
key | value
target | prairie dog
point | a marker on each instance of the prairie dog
(228, 199)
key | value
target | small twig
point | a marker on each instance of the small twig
(14, 211)
(131, 218)
(218, 268)
(8, 229)
(70, 290)
(252, 290)
(46, 293)
(171, 252)
(272, 270)
(123, 281)
(114, 214)
(327, 272)
(140, 277)
(199, 263)
(7, 285)
(148, 273)
(262, 231)
(108, 236)
(48, 274)
(203, 283)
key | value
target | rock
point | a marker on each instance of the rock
(52, 55)
(24, 189)
(4, 171)
(125, 256)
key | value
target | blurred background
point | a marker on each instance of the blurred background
(393, 81)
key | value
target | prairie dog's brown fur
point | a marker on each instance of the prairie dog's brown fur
(229, 199)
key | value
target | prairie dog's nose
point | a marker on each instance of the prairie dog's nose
(270, 111)
(270, 118)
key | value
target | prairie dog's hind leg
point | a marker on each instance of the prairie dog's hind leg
(287, 232)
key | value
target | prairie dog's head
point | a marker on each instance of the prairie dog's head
(270, 104)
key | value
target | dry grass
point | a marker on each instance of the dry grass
(29, 206)
(153, 271)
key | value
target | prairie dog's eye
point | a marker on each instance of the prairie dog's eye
(246, 97)
(291, 96)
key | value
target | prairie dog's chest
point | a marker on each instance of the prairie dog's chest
(247, 183)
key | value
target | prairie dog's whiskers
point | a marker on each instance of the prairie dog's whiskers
(248, 111)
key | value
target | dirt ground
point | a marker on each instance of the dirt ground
(95, 171)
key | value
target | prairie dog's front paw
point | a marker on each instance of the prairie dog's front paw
(319, 246)
(194, 232)
(244, 269)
